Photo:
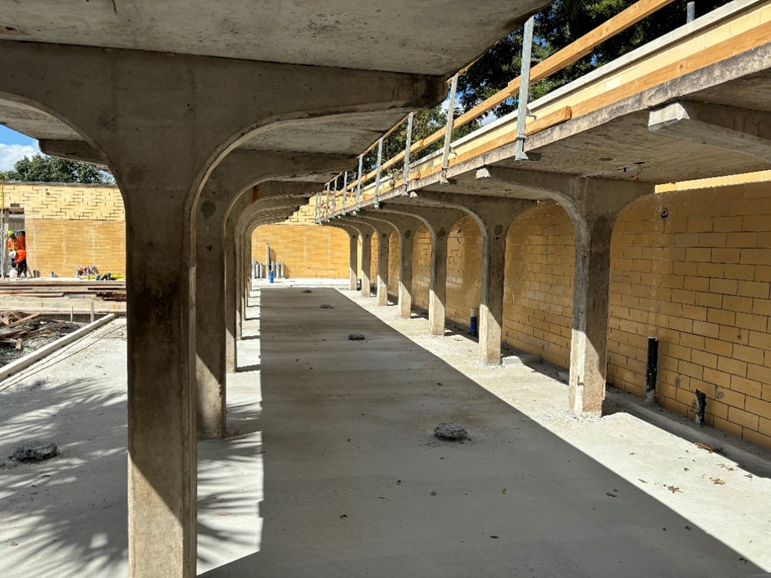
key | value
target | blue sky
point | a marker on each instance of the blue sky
(13, 146)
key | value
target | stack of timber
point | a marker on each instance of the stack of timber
(63, 296)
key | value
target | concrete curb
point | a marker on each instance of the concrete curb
(740, 451)
(27, 360)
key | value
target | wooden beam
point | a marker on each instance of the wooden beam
(744, 42)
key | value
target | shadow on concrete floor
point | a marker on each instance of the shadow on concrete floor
(67, 517)
(356, 485)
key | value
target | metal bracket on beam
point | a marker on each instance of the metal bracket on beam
(406, 177)
(524, 89)
(358, 184)
(377, 173)
(326, 205)
(448, 130)
(345, 190)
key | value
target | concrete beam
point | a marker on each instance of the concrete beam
(75, 150)
(729, 128)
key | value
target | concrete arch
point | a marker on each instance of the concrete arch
(538, 283)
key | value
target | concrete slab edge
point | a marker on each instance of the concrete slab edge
(744, 453)
(23, 363)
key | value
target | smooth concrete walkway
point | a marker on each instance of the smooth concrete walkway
(356, 485)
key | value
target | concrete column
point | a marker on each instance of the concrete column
(405, 226)
(439, 221)
(588, 355)
(231, 295)
(405, 274)
(493, 216)
(161, 392)
(366, 262)
(593, 205)
(353, 251)
(383, 250)
(437, 296)
(353, 259)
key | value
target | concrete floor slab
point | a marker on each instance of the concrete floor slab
(356, 485)
(331, 468)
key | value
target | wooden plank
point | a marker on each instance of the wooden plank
(588, 42)
(736, 45)
(20, 321)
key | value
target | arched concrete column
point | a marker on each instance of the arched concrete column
(366, 231)
(227, 191)
(353, 251)
(272, 202)
(593, 205)
(160, 150)
(405, 227)
(493, 216)
(383, 231)
(439, 221)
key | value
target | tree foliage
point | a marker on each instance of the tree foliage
(557, 26)
(42, 168)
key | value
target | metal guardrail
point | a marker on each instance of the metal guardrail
(328, 207)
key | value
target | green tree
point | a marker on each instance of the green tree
(42, 168)
(558, 25)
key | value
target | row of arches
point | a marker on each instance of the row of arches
(682, 270)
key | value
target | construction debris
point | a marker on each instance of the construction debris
(450, 432)
(35, 451)
(356, 337)
(325, 306)
(22, 332)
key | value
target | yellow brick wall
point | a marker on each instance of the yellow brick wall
(373, 263)
(70, 226)
(699, 281)
(307, 251)
(421, 267)
(393, 266)
(538, 291)
(464, 270)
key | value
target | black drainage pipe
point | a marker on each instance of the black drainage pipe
(701, 407)
(652, 370)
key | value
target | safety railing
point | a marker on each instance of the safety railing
(347, 192)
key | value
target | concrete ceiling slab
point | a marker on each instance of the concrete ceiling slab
(34, 123)
(427, 37)
(345, 134)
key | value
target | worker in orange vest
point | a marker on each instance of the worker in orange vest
(21, 254)
(21, 241)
